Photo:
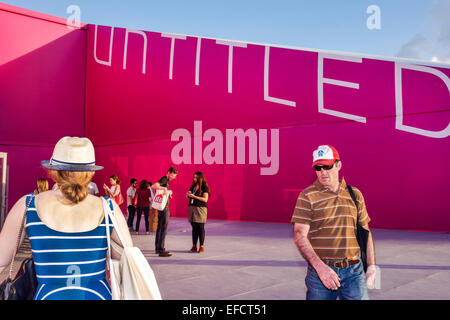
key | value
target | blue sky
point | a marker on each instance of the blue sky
(418, 29)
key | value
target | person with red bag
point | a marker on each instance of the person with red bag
(114, 191)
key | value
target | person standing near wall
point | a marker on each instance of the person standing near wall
(143, 205)
(114, 192)
(131, 192)
(93, 189)
(325, 220)
(42, 186)
(163, 216)
(198, 195)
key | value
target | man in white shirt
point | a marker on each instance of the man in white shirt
(93, 189)
(131, 192)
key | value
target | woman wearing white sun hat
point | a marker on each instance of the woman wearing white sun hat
(66, 228)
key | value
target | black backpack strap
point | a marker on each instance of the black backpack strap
(362, 235)
(352, 194)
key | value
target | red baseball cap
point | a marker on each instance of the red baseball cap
(325, 155)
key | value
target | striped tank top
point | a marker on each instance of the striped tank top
(69, 266)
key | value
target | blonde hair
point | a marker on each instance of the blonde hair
(42, 185)
(73, 184)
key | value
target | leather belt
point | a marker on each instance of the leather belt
(342, 263)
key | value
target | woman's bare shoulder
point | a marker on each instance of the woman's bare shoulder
(54, 200)
(61, 215)
(20, 205)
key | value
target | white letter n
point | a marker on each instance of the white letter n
(144, 55)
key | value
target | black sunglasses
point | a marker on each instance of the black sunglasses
(318, 168)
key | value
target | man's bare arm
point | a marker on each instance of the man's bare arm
(370, 248)
(328, 276)
(156, 186)
(371, 261)
(304, 246)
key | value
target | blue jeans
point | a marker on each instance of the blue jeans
(353, 284)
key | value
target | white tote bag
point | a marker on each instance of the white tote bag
(131, 278)
(160, 200)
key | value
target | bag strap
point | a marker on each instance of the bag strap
(109, 216)
(352, 194)
(19, 236)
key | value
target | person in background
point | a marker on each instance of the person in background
(198, 195)
(164, 215)
(143, 205)
(93, 189)
(131, 192)
(114, 191)
(42, 186)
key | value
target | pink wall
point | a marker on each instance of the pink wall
(390, 126)
(134, 110)
(42, 83)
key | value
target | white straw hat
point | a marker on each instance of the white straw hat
(72, 154)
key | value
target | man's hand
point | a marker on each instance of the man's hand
(328, 276)
(370, 276)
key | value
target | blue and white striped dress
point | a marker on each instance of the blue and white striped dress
(69, 266)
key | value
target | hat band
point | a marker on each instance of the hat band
(57, 162)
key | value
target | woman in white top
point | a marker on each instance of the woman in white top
(114, 191)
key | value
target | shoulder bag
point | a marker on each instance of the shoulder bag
(23, 285)
(131, 277)
(119, 199)
(160, 200)
(362, 235)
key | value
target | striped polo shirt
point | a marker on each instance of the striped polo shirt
(332, 219)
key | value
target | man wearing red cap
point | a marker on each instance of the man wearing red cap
(325, 220)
